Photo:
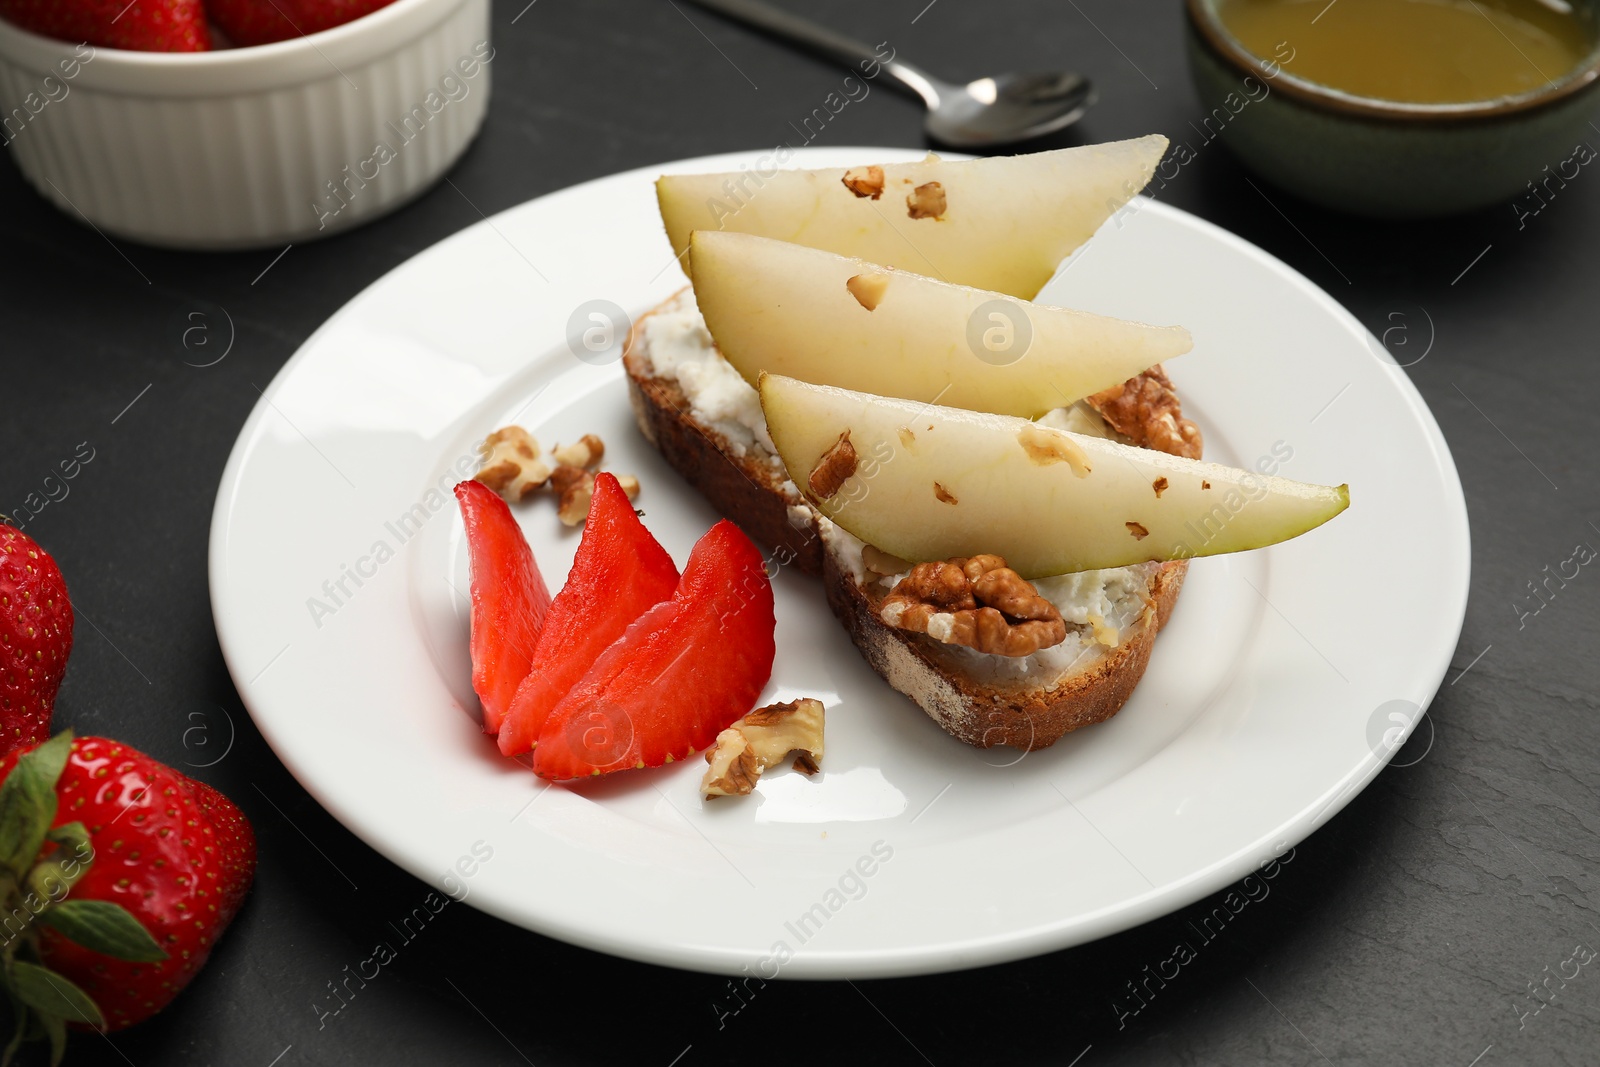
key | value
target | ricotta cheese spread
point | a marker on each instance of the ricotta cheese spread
(678, 347)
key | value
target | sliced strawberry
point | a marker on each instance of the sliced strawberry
(618, 574)
(678, 676)
(509, 600)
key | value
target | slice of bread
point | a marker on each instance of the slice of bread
(698, 413)
(984, 702)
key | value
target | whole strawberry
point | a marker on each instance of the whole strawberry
(143, 25)
(35, 639)
(263, 21)
(125, 872)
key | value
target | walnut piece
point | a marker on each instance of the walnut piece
(1104, 632)
(926, 201)
(1159, 485)
(1046, 445)
(514, 468)
(864, 181)
(978, 602)
(943, 495)
(1145, 410)
(1138, 530)
(511, 465)
(762, 739)
(575, 487)
(586, 451)
(868, 289)
(836, 464)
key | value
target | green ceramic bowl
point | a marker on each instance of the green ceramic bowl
(1382, 158)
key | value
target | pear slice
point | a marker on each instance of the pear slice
(786, 309)
(933, 482)
(1002, 223)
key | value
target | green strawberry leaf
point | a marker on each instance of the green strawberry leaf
(101, 926)
(51, 994)
(55, 1029)
(28, 802)
(72, 836)
(71, 860)
(19, 1027)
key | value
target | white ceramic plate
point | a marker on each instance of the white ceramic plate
(1263, 712)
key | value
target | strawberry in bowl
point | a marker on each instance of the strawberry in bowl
(146, 26)
(181, 25)
(168, 124)
(248, 22)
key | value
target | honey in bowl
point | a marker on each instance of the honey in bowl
(1418, 51)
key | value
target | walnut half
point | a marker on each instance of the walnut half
(978, 602)
(762, 739)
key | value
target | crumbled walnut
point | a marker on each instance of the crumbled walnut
(1158, 485)
(906, 436)
(575, 487)
(514, 468)
(1104, 633)
(868, 289)
(1045, 445)
(836, 464)
(944, 495)
(586, 451)
(511, 463)
(878, 561)
(864, 181)
(926, 201)
(762, 739)
(1145, 410)
(1138, 530)
(1204, 484)
(978, 602)
(566, 476)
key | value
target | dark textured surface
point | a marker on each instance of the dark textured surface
(1406, 931)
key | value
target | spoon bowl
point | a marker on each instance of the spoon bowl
(1007, 108)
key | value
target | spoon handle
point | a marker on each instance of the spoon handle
(835, 46)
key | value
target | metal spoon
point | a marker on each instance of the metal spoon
(998, 110)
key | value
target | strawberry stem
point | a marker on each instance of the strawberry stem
(39, 865)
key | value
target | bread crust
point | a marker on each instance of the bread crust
(1022, 716)
(740, 487)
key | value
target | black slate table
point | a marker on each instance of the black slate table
(1431, 922)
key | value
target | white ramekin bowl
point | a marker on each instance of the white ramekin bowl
(249, 147)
